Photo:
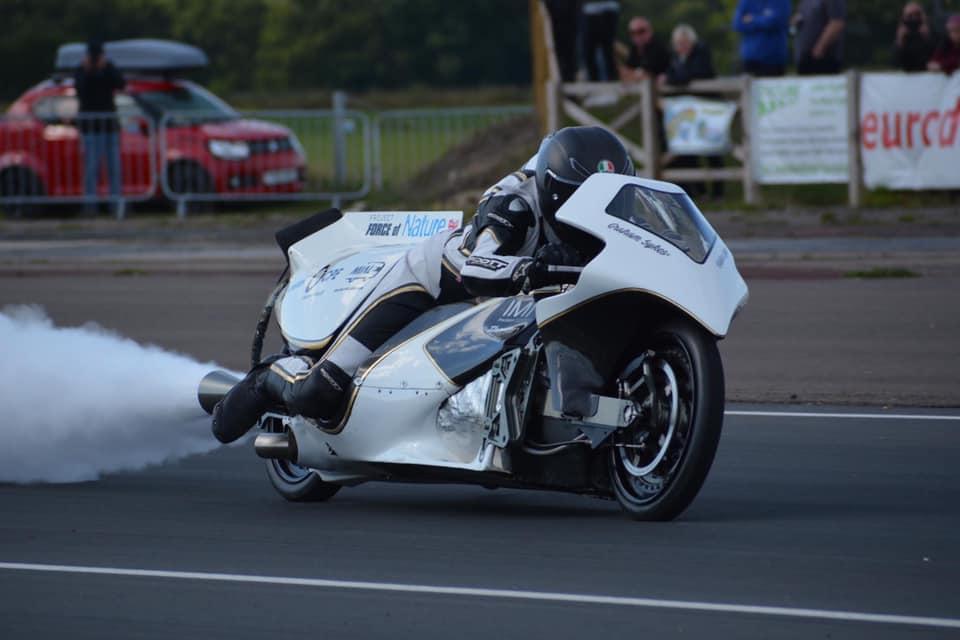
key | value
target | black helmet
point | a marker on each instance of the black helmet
(570, 156)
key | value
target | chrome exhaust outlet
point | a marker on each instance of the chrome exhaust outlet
(213, 387)
(276, 446)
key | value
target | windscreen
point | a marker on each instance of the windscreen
(672, 216)
(186, 100)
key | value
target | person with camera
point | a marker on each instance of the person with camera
(914, 43)
(95, 82)
(946, 58)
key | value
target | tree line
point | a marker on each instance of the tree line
(270, 45)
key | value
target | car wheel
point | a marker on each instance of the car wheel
(20, 182)
(185, 178)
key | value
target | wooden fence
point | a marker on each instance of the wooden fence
(637, 124)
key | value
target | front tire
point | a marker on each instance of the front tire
(659, 463)
(296, 483)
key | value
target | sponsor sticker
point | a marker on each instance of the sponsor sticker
(636, 237)
(408, 225)
(365, 271)
(484, 262)
(323, 275)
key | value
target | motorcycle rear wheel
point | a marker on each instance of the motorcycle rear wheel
(296, 483)
(659, 463)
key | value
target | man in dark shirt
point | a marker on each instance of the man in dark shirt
(95, 81)
(818, 26)
(913, 44)
(564, 16)
(691, 60)
(648, 56)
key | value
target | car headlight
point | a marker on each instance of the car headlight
(229, 149)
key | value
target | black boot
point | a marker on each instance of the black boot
(321, 394)
(243, 405)
(316, 392)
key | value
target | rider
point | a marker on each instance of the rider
(512, 239)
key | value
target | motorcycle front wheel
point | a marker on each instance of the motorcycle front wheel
(659, 462)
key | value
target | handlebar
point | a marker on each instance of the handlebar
(564, 275)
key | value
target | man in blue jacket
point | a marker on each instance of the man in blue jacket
(763, 26)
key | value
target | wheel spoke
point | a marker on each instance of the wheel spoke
(647, 455)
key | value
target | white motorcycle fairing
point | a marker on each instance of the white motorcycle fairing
(636, 260)
(335, 269)
(398, 394)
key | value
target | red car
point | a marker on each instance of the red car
(168, 126)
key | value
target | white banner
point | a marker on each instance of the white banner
(908, 130)
(799, 130)
(696, 126)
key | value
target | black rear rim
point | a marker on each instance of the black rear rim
(646, 456)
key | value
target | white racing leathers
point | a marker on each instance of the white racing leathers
(486, 258)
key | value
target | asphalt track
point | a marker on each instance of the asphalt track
(839, 341)
(808, 527)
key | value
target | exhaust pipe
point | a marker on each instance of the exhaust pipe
(213, 387)
(276, 446)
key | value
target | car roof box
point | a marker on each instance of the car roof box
(137, 55)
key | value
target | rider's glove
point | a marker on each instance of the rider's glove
(554, 254)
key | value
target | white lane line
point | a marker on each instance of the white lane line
(510, 594)
(860, 416)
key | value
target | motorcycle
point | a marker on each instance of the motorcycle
(606, 382)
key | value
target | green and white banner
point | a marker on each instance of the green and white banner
(799, 130)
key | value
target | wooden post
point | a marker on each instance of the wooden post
(551, 121)
(546, 73)
(539, 59)
(750, 192)
(651, 129)
(855, 166)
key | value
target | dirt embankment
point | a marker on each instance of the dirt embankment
(459, 177)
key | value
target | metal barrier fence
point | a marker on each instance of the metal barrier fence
(406, 142)
(204, 156)
(56, 156)
(267, 155)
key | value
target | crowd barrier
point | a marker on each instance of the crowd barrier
(265, 156)
(55, 157)
(195, 157)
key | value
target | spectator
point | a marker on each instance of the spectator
(648, 56)
(691, 61)
(913, 45)
(818, 26)
(763, 26)
(947, 56)
(563, 18)
(95, 81)
(599, 29)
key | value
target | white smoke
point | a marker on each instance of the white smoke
(76, 402)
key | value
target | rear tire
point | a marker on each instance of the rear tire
(683, 358)
(296, 483)
(20, 181)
